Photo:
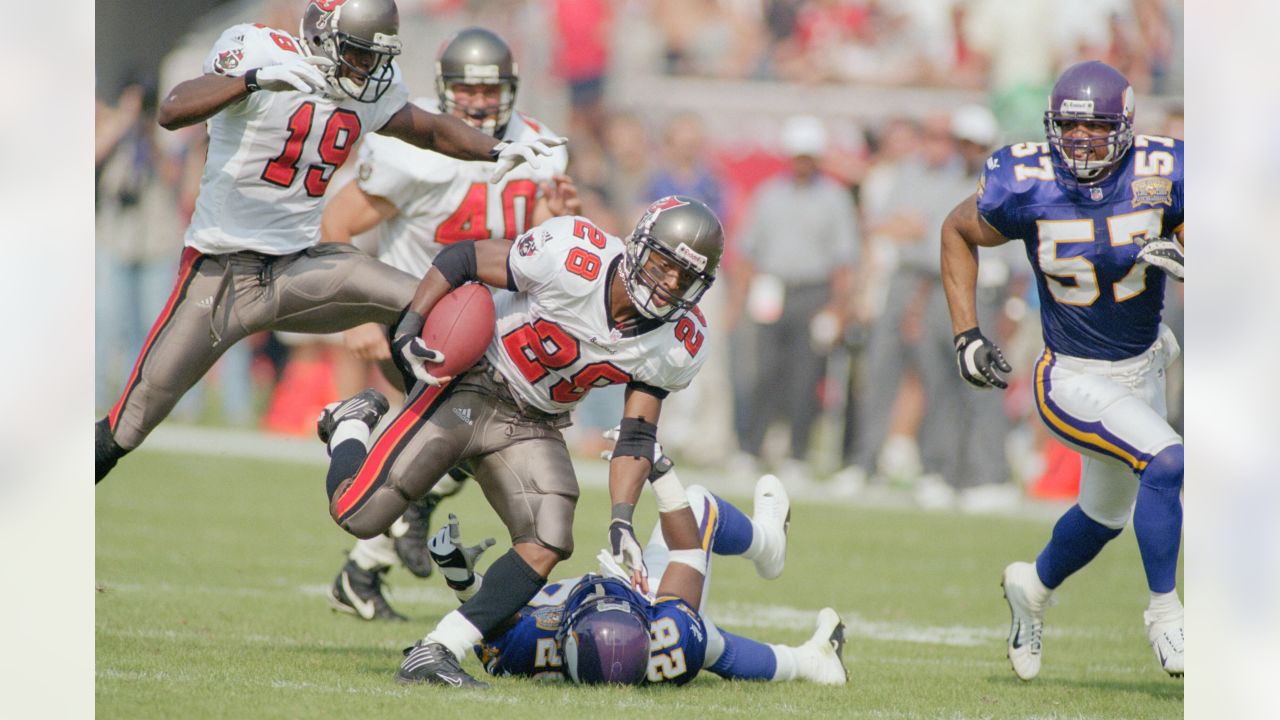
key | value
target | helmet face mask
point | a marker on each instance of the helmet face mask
(678, 238)
(1096, 96)
(360, 37)
(604, 638)
(469, 63)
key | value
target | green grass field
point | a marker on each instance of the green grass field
(211, 575)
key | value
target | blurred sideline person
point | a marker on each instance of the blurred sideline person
(576, 309)
(283, 114)
(417, 202)
(598, 628)
(1101, 212)
(798, 246)
(910, 332)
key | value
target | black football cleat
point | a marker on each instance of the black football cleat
(368, 406)
(434, 663)
(359, 592)
(411, 532)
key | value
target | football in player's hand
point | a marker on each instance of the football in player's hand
(460, 326)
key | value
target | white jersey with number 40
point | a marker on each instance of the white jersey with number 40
(555, 339)
(443, 200)
(272, 154)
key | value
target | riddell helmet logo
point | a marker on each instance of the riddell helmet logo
(696, 260)
(1077, 107)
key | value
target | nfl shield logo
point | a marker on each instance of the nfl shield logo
(1095, 193)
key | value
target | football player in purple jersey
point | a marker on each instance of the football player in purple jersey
(1100, 211)
(600, 628)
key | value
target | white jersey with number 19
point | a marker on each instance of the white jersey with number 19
(272, 154)
(555, 337)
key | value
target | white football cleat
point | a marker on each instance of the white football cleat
(1028, 600)
(1166, 641)
(772, 516)
(821, 658)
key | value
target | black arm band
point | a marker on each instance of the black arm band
(457, 262)
(251, 80)
(635, 439)
(648, 389)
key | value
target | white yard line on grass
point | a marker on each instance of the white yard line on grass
(592, 472)
(733, 616)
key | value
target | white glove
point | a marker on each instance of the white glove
(411, 356)
(511, 153)
(1164, 253)
(625, 549)
(456, 563)
(304, 74)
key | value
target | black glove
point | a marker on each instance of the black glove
(979, 359)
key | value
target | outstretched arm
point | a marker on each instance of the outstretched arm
(630, 465)
(450, 136)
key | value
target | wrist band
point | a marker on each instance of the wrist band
(251, 80)
(623, 511)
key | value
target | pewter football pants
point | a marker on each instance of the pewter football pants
(520, 462)
(221, 299)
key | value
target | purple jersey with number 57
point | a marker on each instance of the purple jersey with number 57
(1096, 300)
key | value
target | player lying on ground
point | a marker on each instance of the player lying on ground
(578, 309)
(1100, 211)
(570, 626)
(283, 114)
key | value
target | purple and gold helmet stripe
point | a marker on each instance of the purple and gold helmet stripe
(1091, 435)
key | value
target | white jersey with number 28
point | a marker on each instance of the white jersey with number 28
(555, 339)
(272, 154)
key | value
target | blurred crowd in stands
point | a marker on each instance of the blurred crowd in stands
(832, 136)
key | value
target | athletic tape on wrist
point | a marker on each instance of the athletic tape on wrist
(669, 493)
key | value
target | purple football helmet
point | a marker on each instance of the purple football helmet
(1092, 92)
(605, 636)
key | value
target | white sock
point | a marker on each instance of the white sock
(456, 633)
(788, 665)
(349, 430)
(376, 553)
(1164, 605)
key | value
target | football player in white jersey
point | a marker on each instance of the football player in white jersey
(416, 202)
(579, 309)
(283, 113)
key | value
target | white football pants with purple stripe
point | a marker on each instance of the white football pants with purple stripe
(1114, 413)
